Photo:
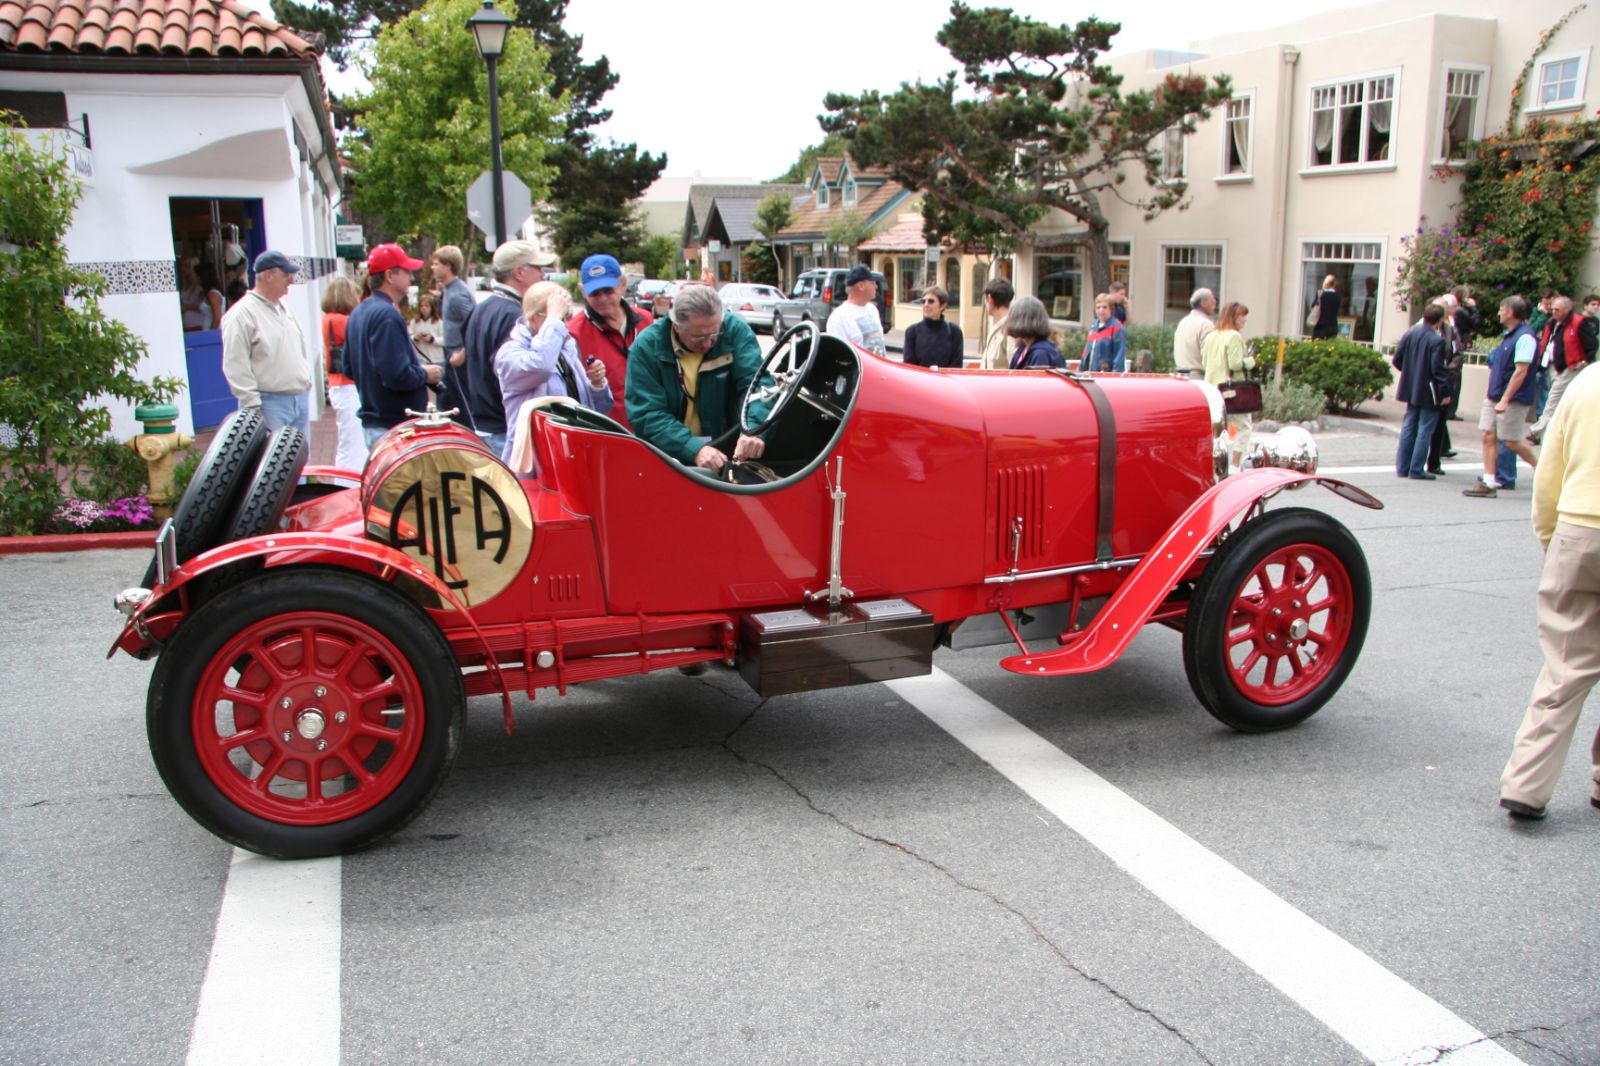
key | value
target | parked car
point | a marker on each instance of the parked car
(817, 292)
(644, 293)
(754, 303)
(318, 632)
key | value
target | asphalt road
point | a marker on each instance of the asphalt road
(669, 870)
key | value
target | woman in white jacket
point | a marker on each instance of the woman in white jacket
(540, 358)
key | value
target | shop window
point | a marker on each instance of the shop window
(1059, 284)
(914, 277)
(1185, 268)
(952, 280)
(1357, 270)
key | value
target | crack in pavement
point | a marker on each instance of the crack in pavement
(1037, 933)
(80, 800)
(1443, 1052)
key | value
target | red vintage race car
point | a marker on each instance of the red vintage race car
(317, 632)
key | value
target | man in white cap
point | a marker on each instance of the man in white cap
(518, 266)
(264, 354)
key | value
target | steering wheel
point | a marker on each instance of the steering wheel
(786, 371)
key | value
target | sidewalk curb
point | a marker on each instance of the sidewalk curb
(1359, 425)
(77, 542)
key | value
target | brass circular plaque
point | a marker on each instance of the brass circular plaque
(455, 509)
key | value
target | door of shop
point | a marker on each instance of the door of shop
(218, 239)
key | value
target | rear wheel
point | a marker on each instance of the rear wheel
(777, 323)
(1277, 620)
(305, 713)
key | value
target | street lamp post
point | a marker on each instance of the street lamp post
(489, 29)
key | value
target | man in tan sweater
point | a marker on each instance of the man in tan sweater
(1566, 519)
(997, 296)
(263, 351)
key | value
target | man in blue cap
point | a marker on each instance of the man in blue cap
(264, 354)
(605, 327)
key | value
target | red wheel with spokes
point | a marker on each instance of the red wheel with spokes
(1277, 620)
(305, 713)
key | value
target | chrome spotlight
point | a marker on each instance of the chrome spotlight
(1291, 448)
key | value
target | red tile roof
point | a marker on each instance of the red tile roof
(901, 237)
(145, 27)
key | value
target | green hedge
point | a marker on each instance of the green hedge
(1346, 373)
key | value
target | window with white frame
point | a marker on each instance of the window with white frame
(1558, 81)
(1174, 155)
(1121, 261)
(1357, 271)
(850, 192)
(1238, 136)
(822, 195)
(1185, 268)
(1463, 110)
(1352, 122)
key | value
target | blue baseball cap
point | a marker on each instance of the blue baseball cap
(600, 272)
(270, 260)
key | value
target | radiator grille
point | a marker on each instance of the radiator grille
(1019, 493)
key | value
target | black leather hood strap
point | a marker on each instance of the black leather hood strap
(1107, 422)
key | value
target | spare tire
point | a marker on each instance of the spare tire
(273, 482)
(217, 487)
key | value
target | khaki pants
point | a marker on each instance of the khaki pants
(1569, 635)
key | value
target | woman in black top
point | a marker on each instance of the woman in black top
(933, 341)
(1328, 315)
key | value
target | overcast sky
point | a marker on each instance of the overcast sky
(732, 88)
(738, 94)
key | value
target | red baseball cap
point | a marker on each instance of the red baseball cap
(388, 257)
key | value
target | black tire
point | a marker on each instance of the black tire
(215, 719)
(1291, 589)
(217, 487)
(270, 488)
(777, 323)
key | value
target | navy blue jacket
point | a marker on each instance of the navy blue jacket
(932, 342)
(386, 368)
(488, 327)
(1420, 358)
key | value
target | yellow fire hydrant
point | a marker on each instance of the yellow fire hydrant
(159, 446)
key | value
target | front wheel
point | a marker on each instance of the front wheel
(305, 713)
(1277, 620)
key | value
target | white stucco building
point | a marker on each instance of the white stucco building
(197, 125)
(1324, 159)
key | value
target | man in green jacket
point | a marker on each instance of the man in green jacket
(687, 376)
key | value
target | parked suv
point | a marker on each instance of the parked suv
(816, 293)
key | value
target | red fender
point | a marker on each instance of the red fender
(305, 548)
(336, 474)
(1137, 598)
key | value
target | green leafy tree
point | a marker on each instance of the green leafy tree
(848, 231)
(603, 219)
(759, 264)
(60, 356)
(660, 256)
(591, 183)
(773, 215)
(424, 127)
(1045, 126)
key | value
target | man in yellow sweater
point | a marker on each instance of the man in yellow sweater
(1566, 519)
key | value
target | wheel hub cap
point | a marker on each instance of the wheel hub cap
(310, 724)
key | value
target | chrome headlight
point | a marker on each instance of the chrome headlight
(1291, 448)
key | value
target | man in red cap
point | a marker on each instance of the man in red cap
(388, 373)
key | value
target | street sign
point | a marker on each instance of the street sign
(480, 203)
